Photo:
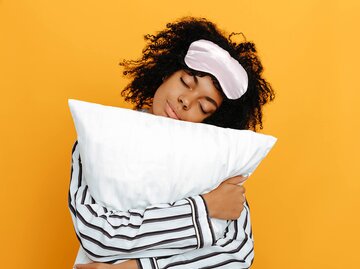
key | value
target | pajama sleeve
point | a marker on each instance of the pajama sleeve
(158, 230)
(234, 250)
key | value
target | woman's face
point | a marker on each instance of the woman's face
(185, 97)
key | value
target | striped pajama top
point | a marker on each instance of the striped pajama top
(178, 235)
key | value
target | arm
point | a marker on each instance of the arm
(159, 230)
(234, 250)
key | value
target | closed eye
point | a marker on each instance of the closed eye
(202, 110)
(183, 82)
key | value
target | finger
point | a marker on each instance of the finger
(243, 198)
(241, 194)
(235, 180)
(243, 190)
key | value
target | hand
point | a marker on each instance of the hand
(227, 200)
(130, 264)
(93, 265)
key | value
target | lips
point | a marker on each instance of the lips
(170, 111)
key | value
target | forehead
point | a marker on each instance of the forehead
(199, 74)
(196, 73)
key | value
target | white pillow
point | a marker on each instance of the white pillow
(133, 159)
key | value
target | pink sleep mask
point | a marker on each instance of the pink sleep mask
(204, 55)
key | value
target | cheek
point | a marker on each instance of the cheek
(157, 106)
(193, 116)
(159, 100)
(161, 92)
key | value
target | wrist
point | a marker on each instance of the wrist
(133, 264)
(207, 201)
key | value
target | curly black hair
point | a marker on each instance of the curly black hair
(164, 54)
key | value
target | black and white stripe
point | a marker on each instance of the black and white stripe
(161, 231)
(235, 250)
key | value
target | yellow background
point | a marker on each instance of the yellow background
(304, 197)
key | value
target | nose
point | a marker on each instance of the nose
(184, 101)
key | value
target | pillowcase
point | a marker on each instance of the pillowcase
(133, 159)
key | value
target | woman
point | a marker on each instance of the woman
(189, 71)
